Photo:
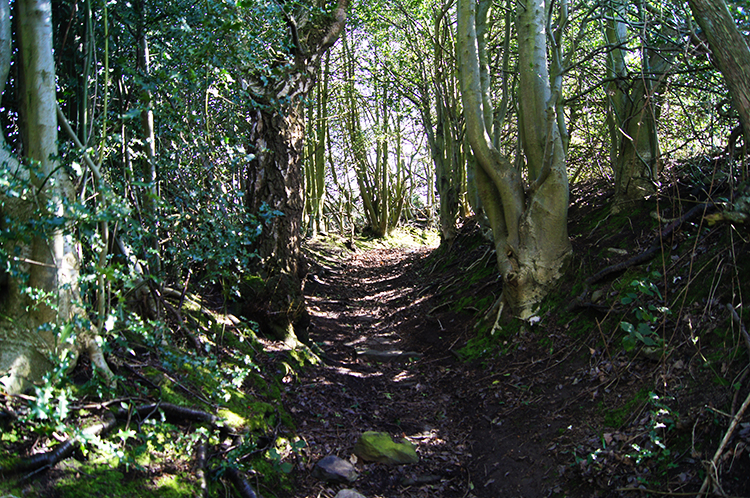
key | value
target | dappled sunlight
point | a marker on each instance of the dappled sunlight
(384, 296)
(403, 376)
(353, 373)
(374, 379)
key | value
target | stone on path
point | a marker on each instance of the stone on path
(335, 469)
(348, 493)
(379, 447)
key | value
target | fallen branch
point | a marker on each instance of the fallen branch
(736, 319)
(240, 483)
(651, 251)
(172, 410)
(61, 451)
(646, 255)
(200, 464)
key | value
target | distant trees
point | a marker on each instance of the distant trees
(374, 136)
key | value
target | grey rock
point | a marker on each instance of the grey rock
(335, 469)
(617, 250)
(597, 295)
(348, 493)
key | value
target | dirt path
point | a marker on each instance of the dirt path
(390, 368)
(558, 409)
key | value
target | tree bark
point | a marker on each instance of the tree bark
(50, 260)
(274, 183)
(632, 114)
(731, 54)
(274, 180)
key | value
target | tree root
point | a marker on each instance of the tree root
(97, 359)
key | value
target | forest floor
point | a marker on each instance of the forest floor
(630, 381)
(554, 409)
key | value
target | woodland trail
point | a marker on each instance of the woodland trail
(559, 408)
(371, 303)
(385, 300)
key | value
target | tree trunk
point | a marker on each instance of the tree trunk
(529, 224)
(315, 174)
(731, 54)
(632, 112)
(274, 179)
(445, 141)
(50, 260)
(150, 193)
(274, 182)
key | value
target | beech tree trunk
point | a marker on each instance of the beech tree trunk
(632, 112)
(44, 256)
(730, 52)
(48, 260)
(528, 219)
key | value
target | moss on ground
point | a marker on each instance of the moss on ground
(232, 378)
(92, 480)
(617, 417)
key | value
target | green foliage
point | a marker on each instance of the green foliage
(661, 421)
(101, 480)
(617, 417)
(276, 455)
(484, 344)
(647, 314)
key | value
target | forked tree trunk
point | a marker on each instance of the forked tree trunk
(632, 114)
(529, 222)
